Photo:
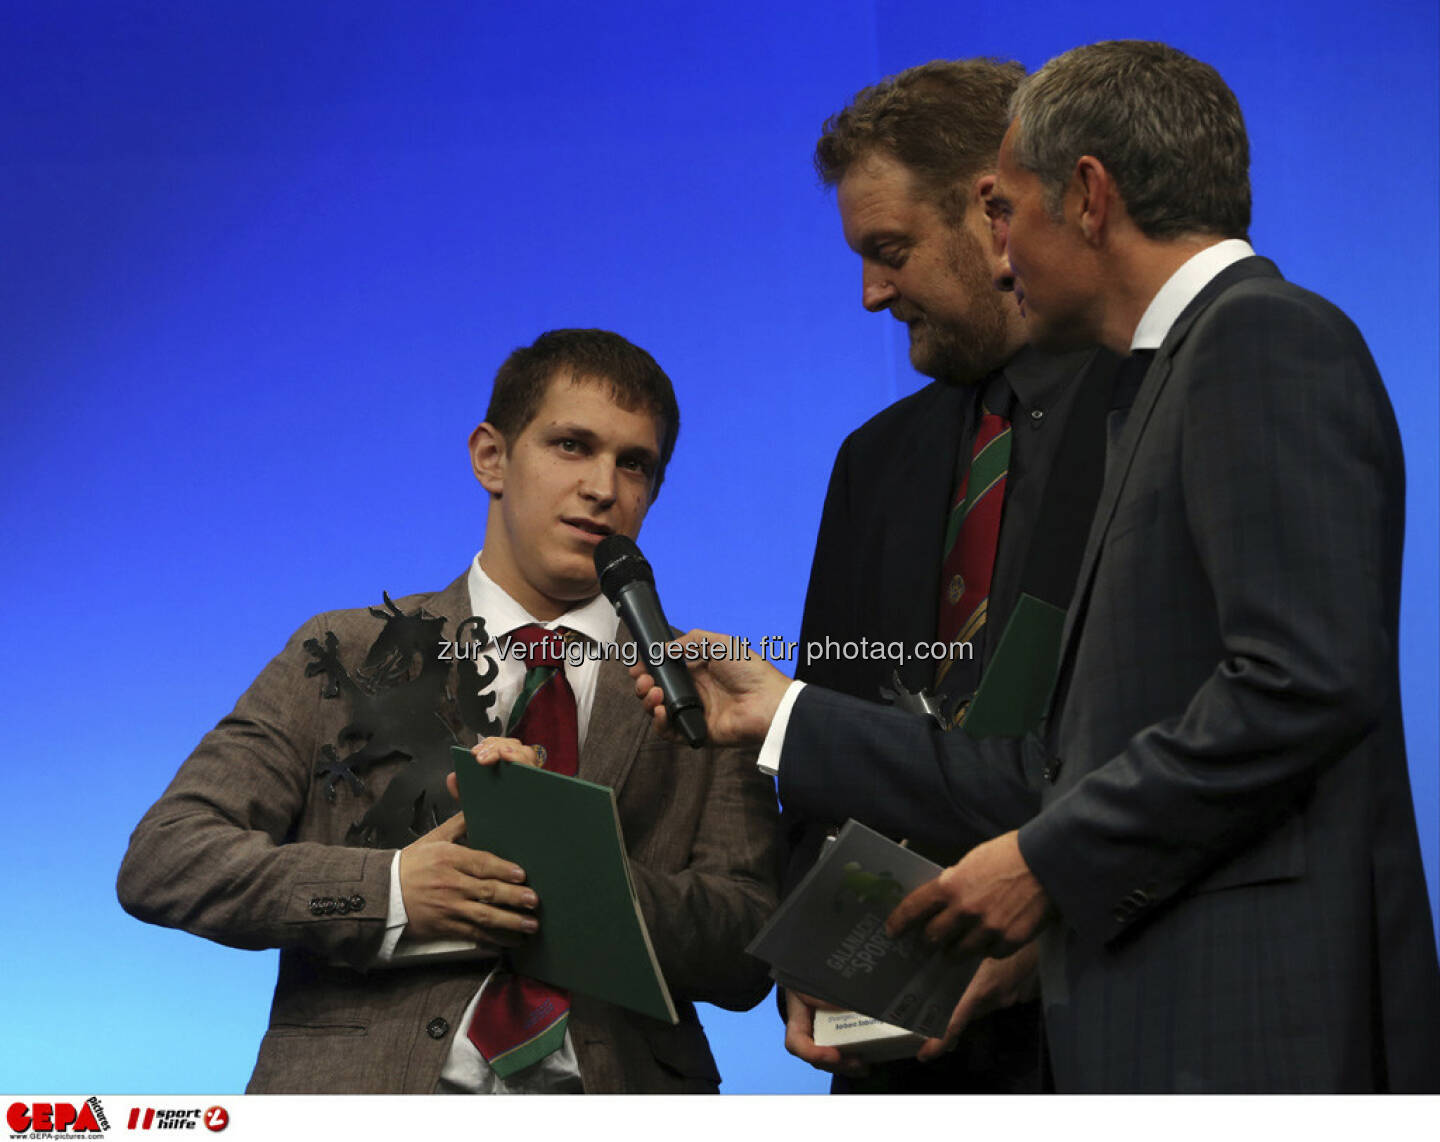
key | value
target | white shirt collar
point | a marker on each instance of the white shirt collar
(595, 619)
(1182, 287)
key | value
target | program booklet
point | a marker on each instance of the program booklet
(565, 833)
(828, 937)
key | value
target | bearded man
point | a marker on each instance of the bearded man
(942, 507)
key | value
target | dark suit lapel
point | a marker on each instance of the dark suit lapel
(617, 722)
(1072, 490)
(1117, 469)
(919, 482)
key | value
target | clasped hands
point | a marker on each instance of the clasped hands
(989, 903)
(452, 891)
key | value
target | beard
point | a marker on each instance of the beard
(965, 351)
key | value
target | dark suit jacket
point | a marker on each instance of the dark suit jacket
(1227, 829)
(876, 576)
(876, 570)
(244, 839)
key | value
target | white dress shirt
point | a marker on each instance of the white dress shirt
(1182, 287)
(465, 1070)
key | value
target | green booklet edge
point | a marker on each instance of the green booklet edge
(1015, 687)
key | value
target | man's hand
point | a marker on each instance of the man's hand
(990, 902)
(997, 984)
(452, 891)
(740, 694)
(489, 751)
(800, 1038)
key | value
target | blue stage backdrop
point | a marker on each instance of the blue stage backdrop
(261, 260)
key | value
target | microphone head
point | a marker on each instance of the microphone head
(618, 563)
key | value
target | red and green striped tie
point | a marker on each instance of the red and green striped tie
(518, 1020)
(971, 536)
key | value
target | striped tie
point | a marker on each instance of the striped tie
(972, 535)
(518, 1020)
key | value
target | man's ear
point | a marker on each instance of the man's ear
(981, 191)
(1092, 187)
(487, 457)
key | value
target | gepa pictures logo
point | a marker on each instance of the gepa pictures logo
(26, 1118)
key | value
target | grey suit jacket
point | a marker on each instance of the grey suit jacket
(244, 839)
(1227, 830)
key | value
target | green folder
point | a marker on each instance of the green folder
(565, 834)
(1016, 684)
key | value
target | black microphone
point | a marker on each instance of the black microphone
(628, 582)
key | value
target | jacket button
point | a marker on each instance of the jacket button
(315, 907)
(437, 1028)
(342, 906)
(1051, 772)
(357, 902)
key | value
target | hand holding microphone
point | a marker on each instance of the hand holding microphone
(740, 694)
(629, 583)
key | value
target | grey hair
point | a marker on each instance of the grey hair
(1166, 127)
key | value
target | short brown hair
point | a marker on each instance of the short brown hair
(1165, 126)
(942, 120)
(635, 382)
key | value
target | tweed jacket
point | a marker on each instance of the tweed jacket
(244, 842)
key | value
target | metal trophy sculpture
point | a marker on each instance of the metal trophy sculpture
(403, 714)
(919, 701)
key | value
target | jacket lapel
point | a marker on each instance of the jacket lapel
(617, 723)
(919, 483)
(1117, 469)
(617, 718)
(453, 605)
